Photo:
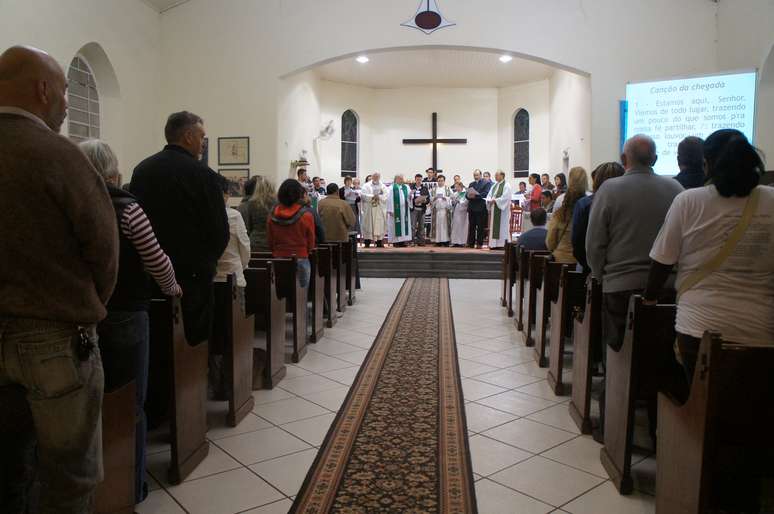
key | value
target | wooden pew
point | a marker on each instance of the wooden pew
(339, 269)
(188, 424)
(505, 272)
(643, 364)
(534, 279)
(349, 255)
(586, 334)
(330, 285)
(514, 254)
(115, 494)
(295, 300)
(268, 309)
(237, 343)
(522, 282)
(724, 426)
(547, 292)
(569, 299)
(317, 295)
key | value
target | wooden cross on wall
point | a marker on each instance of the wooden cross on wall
(434, 141)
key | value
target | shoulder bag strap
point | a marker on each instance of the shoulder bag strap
(725, 251)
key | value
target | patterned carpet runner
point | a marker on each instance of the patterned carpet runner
(399, 442)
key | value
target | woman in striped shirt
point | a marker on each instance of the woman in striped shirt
(124, 333)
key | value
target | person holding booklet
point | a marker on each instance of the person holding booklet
(440, 232)
(499, 199)
(459, 233)
(398, 213)
(420, 197)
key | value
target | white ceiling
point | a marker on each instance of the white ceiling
(164, 5)
(434, 68)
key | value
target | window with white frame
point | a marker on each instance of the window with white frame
(83, 119)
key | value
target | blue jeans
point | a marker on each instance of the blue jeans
(123, 341)
(304, 270)
(56, 396)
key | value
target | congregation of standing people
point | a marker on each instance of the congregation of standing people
(82, 258)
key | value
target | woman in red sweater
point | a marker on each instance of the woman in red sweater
(290, 228)
(535, 194)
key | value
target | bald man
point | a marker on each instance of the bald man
(58, 264)
(628, 213)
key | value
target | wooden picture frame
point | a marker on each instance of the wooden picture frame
(236, 180)
(233, 151)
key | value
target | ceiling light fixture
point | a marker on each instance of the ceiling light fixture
(362, 59)
(505, 58)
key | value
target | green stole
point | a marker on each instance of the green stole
(397, 211)
(496, 211)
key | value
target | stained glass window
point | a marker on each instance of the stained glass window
(349, 142)
(521, 143)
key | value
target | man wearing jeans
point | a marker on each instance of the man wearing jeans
(621, 232)
(58, 265)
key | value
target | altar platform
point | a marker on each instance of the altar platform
(430, 261)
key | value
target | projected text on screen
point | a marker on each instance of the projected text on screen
(671, 110)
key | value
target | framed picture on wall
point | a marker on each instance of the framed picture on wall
(206, 153)
(236, 180)
(233, 151)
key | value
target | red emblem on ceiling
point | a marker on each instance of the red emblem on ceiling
(428, 18)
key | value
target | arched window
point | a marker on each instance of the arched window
(521, 143)
(349, 142)
(83, 111)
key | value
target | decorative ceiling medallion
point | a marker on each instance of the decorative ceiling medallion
(428, 18)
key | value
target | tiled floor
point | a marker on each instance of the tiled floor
(528, 456)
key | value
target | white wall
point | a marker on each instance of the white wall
(129, 32)
(299, 115)
(534, 98)
(570, 121)
(746, 40)
(228, 61)
(386, 116)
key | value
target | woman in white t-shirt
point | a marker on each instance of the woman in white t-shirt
(737, 299)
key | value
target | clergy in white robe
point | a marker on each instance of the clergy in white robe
(374, 217)
(398, 212)
(440, 231)
(459, 232)
(499, 201)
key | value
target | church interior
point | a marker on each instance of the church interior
(444, 378)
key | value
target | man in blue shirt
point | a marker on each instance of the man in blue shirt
(535, 238)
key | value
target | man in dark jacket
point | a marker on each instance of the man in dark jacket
(477, 212)
(419, 199)
(690, 159)
(181, 198)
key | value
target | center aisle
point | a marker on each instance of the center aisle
(527, 454)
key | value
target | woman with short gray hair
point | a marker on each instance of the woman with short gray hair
(124, 333)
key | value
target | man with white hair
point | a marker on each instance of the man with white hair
(399, 213)
(627, 215)
(58, 268)
(374, 218)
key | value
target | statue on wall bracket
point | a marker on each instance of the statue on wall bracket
(428, 18)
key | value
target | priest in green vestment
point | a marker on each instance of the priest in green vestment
(499, 201)
(398, 213)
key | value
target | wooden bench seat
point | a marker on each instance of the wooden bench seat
(317, 294)
(339, 301)
(285, 271)
(534, 278)
(115, 494)
(268, 309)
(568, 300)
(547, 292)
(644, 364)
(586, 334)
(722, 432)
(188, 424)
(514, 255)
(349, 255)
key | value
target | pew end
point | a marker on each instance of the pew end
(188, 425)
(534, 282)
(268, 309)
(723, 426)
(568, 300)
(644, 363)
(115, 494)
(546, 296)
(586, 334)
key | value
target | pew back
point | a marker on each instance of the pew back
(586, 334)
(569, 299)
(263, 301)
(723, 428)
